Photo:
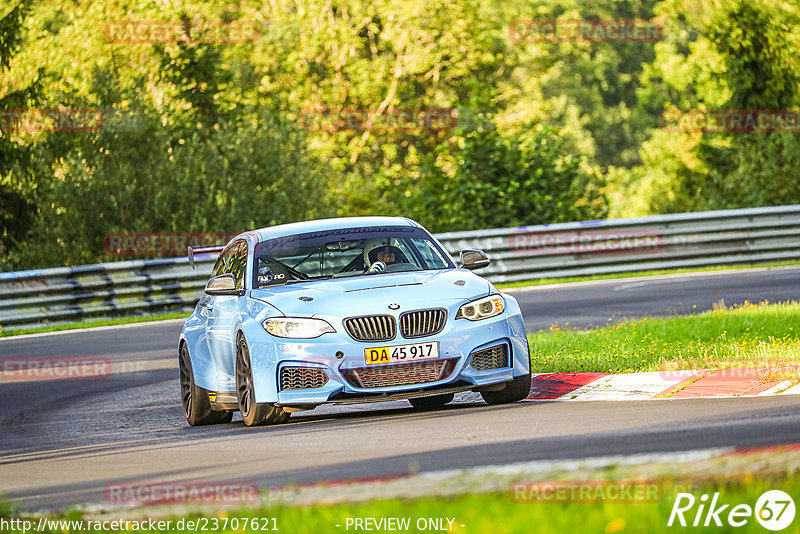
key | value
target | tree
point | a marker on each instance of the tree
(725, 56)
(489, 180)
(206, 160)
(16, 210)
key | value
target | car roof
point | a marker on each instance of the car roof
(283, 230)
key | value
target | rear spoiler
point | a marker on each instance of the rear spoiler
(214, 249)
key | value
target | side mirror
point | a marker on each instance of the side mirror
(224, 284)
(474, 259)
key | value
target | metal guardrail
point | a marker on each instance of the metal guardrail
(684, 240)
(143, 287)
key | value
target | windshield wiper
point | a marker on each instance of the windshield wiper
(298, 280)
(347, 274)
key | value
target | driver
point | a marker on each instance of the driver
(389, 254)
(384, 251)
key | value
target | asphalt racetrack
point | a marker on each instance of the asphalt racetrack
(63, 441)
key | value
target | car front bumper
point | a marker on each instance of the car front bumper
(458, 343)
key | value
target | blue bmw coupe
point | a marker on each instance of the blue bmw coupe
(343, 311)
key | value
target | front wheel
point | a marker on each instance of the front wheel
(196, 405)
(431, 402)
(253, 413)
(516, 390)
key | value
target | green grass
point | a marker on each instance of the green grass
(615, 276)
(93, 324)
(765, 335)
(498, 513)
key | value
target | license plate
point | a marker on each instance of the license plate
(402, 353)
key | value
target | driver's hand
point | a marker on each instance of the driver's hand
(376, 267)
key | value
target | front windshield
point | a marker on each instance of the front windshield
(346, 252)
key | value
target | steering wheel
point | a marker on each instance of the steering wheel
(400, 267)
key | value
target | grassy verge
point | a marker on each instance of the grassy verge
(764, 335)
(615, 276)
(498, 513)
(94, 324)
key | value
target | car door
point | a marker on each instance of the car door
(222, 318)
(199, 341)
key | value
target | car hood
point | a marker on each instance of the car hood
(372, 294)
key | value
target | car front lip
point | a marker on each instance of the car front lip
(386, 397)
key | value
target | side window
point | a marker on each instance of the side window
(237, 264)
(222, 261)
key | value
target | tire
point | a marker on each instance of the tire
(516, 390)
(253, 413)
(431, 402)
(196, 405)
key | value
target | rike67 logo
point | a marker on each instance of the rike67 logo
(774, 510)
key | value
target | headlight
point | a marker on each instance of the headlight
(296, 327)
(482, 308)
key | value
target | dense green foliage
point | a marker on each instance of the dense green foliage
(218, 133)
